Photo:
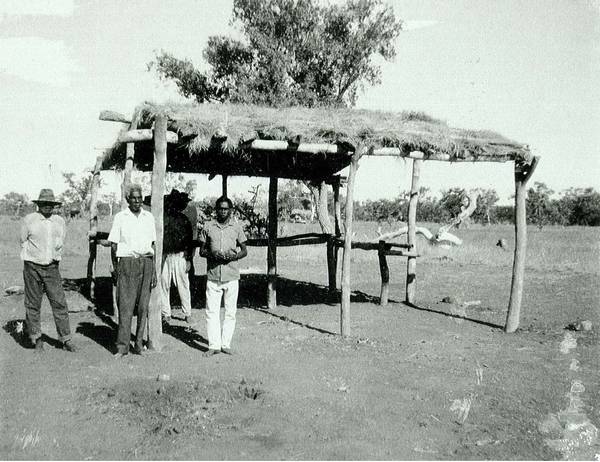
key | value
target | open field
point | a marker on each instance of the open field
(434, 381)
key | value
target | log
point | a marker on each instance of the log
(113, 116)
(128, 163)
(385, 274)
(310, 148)
(345, 302)
(411, 264)
(145, 134)
(93, 246)
(522, 174)
(158, 191)
(272, 246)
(432, 155)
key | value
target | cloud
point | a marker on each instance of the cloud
(37, 60)
(418, 24)
(37, 7)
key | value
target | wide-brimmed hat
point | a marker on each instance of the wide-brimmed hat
(178, 197)
(46, 197)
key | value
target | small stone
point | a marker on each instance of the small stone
(163, 378)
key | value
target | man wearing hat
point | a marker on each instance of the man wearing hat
(42, 239)
(178, 252)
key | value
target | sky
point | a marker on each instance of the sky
(527, 69)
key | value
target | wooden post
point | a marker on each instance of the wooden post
(385, 274)
(224, 189)
(522, 174)
(345, 305)
(128, 163)
(337, 207)
(93, 245)
(331, 264)
(411, 265)
(272, 246)
(158, 191)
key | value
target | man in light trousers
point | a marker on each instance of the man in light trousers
(178, 252)
(222, 243)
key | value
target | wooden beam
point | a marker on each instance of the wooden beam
(522, 174)
(113, 116)
(314, 148)
(144, 134)
(431, 155)
(272, 246)
(346, 290)
(411, 265)
(158, 191)
(93, 245)
(385, 274)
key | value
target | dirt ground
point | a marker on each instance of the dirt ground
(433, 381)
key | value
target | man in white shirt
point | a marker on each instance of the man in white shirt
(42, 239)
(132, 239)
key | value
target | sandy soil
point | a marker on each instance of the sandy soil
(434, 381)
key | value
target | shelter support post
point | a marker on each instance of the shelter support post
(411, 265)
(224, 186)
(385, 274)
(93, 245)
(346, 256)
(128, 166)
(331, 264)
(272, 246)
(158, 191)
(337, 209)
(523, 172)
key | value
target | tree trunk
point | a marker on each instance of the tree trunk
(522, 175)
(320, 194)
(158, 191)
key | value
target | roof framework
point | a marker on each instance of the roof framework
(307, 144)
(301, 143)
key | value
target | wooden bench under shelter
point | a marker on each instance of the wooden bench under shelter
(306, 144)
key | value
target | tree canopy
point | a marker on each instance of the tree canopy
(295, 52)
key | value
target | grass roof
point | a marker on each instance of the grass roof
(197, 124)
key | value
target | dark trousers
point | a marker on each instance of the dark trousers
(133, 288)
(38, 279)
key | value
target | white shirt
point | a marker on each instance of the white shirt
(42, 238)
(133, 234)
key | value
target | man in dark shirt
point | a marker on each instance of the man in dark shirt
(177, 256)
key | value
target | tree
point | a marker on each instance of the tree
(539, 204)
(75, 197)
(485, 206)
(450, 203)
(579, 206)
(295, 52)
(15, 204)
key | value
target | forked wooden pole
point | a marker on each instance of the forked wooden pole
(224, 186)
(385, 274)
(411, 265)
(158, 191)
(522, 174)
(272, 246)
(93, 246)
(346, 290)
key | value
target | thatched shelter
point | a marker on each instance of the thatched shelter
(307, 144)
